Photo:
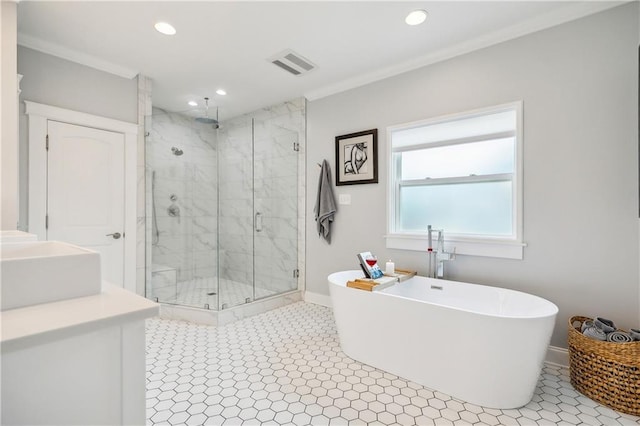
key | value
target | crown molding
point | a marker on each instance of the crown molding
(573, 11)
(74, 56)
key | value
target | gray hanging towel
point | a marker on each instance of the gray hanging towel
(325, 208)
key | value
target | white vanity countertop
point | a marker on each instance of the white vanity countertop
(29, 325)
(13, 236)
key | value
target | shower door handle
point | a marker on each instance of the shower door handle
(258, 222)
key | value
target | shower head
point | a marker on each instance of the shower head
(177, 152)
(206, 119)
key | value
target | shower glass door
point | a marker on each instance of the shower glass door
(258, 234)
(222, 207)
(235, 235)
(275, 208)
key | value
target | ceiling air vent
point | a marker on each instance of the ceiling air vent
(292, 62)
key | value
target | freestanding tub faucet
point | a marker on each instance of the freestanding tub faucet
(439, 256)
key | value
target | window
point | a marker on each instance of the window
(462, 174)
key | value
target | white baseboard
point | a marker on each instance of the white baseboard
(317, 299)
(555, 355)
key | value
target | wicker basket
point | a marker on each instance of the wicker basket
(606, 372)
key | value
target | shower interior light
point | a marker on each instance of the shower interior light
(221, 92)
(193, 103)
(416, 17)
(165, 28)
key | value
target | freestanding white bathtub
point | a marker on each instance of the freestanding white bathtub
(480, 344)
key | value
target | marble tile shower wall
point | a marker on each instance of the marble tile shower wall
(277, 255)
(236, 202)
(278, 181)
(185, 195)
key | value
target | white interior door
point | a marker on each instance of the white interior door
(85, 192)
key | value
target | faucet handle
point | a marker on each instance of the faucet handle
(447, 255)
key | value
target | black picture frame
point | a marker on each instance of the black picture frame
(357, 158)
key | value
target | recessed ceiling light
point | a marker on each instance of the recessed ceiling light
(221, 92)
(416, 17)
(165, 28)
(193, 103)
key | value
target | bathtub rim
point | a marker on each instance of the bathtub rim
(554, 310)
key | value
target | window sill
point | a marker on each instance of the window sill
(506, 249)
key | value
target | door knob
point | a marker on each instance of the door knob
(115, 235)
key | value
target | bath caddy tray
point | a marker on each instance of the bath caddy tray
(402, 274)
(372, 285)
(604, 371)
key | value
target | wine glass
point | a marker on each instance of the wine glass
(371, 260)
(374, 271)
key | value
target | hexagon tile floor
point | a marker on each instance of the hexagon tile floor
(286, 367)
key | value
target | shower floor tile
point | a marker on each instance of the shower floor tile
(286, 367)
(204, 291)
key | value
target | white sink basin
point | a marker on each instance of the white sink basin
(37, 272)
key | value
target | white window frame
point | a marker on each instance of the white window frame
(489, 246)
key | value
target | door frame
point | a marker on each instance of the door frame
(38, 115)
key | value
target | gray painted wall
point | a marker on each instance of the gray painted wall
(58, 82)
(579, 84)
(54, 81)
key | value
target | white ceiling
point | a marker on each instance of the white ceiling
(227, 44)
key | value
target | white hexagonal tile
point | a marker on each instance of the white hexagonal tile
(213, 410)
(163, 396)
(359, 404)
(402, 399)
(324, 401)
(262, 404)
(376, 407)
(313, 409)
(405, 419)
(308, 399)
(320, 420)
(287, 360)
(283, 417)
(438, 404)
(161, 416)
(229, 412)
(279, 406)
(468, 417)
(342, 403)
(385, 398)
(232, 421)
(549, 415)
(368, 416)
(229, 401)
(349, 414)
(301, 419)
(179, 418)
(394, 408)
(331, 411)
(386, 418)
(431, 412)
(197, 408)
(265, 415)
(196, 419)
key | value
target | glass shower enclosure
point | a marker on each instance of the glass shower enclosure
(222, 210)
